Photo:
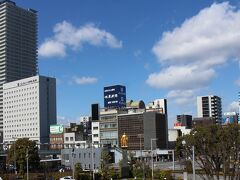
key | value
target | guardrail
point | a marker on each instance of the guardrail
(40, 152)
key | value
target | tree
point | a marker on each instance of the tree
(78, 170)
(138, 169)
(216, 149)
(19, 151)
(105, 165)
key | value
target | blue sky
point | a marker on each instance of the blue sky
(157, 49)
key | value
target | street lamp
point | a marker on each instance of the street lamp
(193, 159)
(73, 168)
(173, 158)
(27, 162)
(152, 139)
(93, 168)
(140, 135)
(14, 154)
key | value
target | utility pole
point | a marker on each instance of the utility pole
(143, 175)
(193, 163)
(152, 139)
(173, 158)
(27, 162)
(14, 149)
(93, 168)
(73, 161)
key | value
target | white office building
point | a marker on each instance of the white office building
(96, 134)
(210, 106)
(29, 108)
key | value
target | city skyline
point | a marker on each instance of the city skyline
(168, 52)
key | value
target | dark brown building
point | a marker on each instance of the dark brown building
(141, 128)
(132, 126)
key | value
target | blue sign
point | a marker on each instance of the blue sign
(115, 96)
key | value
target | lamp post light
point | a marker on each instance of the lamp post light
(173, 158)
(152, 139)
(143, 175)
(73, 168)
(27, 162)
(193, 159)
(14, 154)
(93, 168)
(92, 162)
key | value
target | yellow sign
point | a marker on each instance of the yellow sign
(124, 141)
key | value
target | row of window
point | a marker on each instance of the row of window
(19, 110)
(20, 100)
(23, 115)
(56, 139)
(21, 135)
(20, 130)
(108, 125)
(20, 90)
(20, 125)
(67, 138)
(20, 120)
(66, 156)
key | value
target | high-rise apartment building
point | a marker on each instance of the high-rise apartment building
(29, 108)
(210, 106)
(18, 45)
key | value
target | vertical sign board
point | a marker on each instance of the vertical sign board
(95, 112)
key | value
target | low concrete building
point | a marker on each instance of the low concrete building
(82, 155)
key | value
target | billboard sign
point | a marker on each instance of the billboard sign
(115, 96)
(56, 129)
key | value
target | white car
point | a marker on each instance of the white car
(67, 177)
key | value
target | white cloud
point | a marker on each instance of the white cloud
(84, 80)
(182, 97)
(52, 48)
(190, 53)
(233, 106)
(181, 77)
(212, 35)
(68, 36)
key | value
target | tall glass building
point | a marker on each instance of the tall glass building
(18, 46)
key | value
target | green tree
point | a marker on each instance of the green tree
(78, 171)
(18, 152)
(105, 164)
(216, 149)
(138, 170)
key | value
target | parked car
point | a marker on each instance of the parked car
(67, 177)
